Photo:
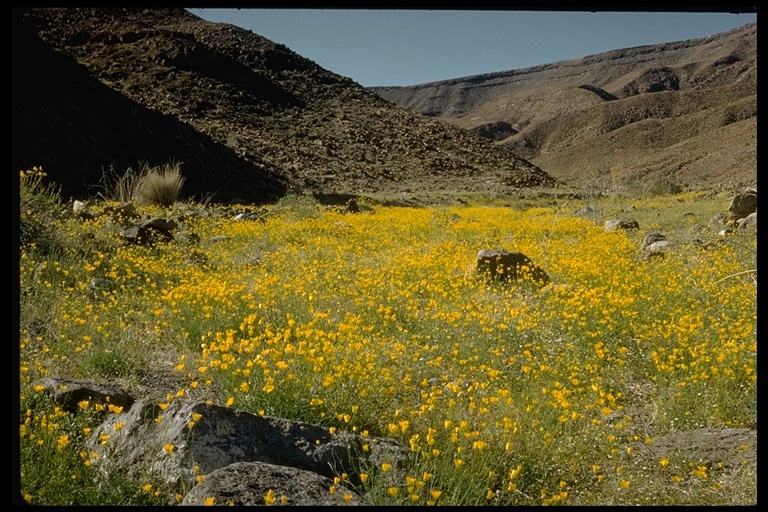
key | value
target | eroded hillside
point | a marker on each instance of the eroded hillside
(683, 112)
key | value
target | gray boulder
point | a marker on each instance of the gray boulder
(743, 203)
(251, 483)
(650, 238)
(748, 223)
(225, 455)
(189, 438)
(657, 249)
(613, 225)
(68, 393)
(147, 233)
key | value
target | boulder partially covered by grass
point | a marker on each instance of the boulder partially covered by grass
(509, 266)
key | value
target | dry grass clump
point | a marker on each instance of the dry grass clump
(149, 186)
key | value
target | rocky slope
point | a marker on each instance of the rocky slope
(248, 119)
(685, 112)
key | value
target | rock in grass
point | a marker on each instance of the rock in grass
(509, 266)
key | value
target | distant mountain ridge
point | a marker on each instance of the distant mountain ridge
(685, 111)
(695, 60)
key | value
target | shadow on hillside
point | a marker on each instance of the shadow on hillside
(77, 128)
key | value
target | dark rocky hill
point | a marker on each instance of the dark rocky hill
(248, 119)
(683, 111)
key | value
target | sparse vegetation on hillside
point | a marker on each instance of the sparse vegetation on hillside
(684, 111)
(376, 322)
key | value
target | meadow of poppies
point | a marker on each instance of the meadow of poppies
(376, 322)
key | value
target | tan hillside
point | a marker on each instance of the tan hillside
(683, 112)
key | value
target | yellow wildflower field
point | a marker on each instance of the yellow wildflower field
(377, 323)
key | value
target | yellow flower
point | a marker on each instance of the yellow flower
(62, 442)
(664, 461)
(386, 467)
(209, 501)
(168, 448)
(393, 491)
(269, 498)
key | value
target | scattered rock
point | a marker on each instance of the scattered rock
(122, 212)
(612, 225)
(650, 238)
(748, 223)
(68, 393)
(658, 249)
(249, 484)
(149, 234)
(351, 207)
(504, 266)
(743, 203)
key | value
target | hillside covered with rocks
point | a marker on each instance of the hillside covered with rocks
(112, 88)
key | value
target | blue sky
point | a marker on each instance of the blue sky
(409, 47)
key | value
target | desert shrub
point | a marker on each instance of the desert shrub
(40, 209)
(159, 186)
(118, 187)
(149, 185)
(298, 206)
(658, 187)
